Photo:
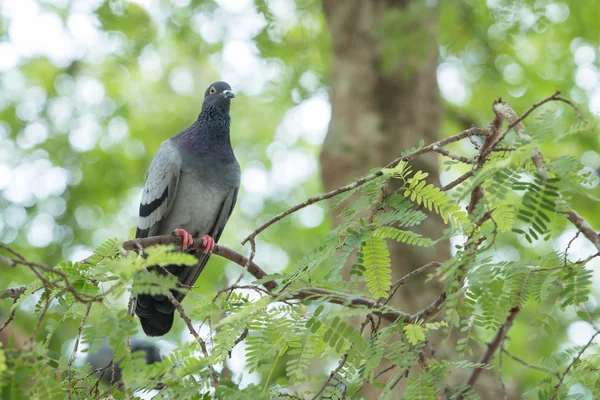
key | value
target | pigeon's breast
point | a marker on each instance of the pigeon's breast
(200, 196)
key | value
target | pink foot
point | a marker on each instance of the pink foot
(188, 240)
(208, 243)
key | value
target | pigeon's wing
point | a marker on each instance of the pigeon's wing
(224, 214)
(187, 276)
(159, 190)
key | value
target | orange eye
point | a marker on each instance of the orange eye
(213, 90)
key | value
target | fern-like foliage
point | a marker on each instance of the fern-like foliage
(375, 257)
(577, 286)
(433, 198)
(301, 355)
(537, 207)
(389, 232)
(107, 250)
(296, 340)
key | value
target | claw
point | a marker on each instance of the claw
(208, 243)
(188, 240)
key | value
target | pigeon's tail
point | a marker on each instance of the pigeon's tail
(156, 314)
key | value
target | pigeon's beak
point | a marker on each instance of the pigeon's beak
(228, 93)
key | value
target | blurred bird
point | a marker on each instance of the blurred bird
(190, 190)
(102, 358)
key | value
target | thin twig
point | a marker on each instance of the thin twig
(13, 252)
(584, 227)
(569, 246)
(517, 121)
(398, 379)
(291, 396)
(458, 180)
(530, 366)
(331, 375)
(188, 323)
(11, 315)
(387, 312)
(330, 296)
(577, 358)
(391, 367)
(500, 370)
(474, 143)
(590, 319)
(37, 267)
(101, 372)
(455, 157)
(250, 259)
(232, 288)
(342, 361)
(130, 311)
(491, 141)
(368, 178)
(542, 168)
(430, 311)
(578, 113)
(105, 393)
(7, 260)
(75, 347)
(492, 347)
(41, 318)
(396, 285)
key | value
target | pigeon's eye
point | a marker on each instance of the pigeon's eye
(213, 90)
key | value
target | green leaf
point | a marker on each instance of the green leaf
(434, 199)
(376, 259)
(389, 232)
(414, 333)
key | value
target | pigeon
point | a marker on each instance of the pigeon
(105, 354)
(190, 190)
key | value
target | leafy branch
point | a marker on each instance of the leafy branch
(285, 329)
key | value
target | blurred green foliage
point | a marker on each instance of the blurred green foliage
(89, 90)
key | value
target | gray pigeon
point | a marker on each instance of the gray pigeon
(105, 354)
(190, 190)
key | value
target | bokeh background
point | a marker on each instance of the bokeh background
(90, 88)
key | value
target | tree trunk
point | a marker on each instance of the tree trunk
(376, 115)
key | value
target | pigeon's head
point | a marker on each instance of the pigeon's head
(218, 95)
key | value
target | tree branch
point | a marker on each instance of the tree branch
(455, 157)
(330, 296)
(530, 366)
(584, 228)
(577, 358)
(341, 363)
(540, 164)
(427, 149)
(492, 347)
(505, 111)
(37, 267)
(493, 136)
(188, 323)
(514, 122)
(459, 180)
(396, 285)
(13, 293)
(11, 315)
(75, 347)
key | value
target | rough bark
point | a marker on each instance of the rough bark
(377, 115)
